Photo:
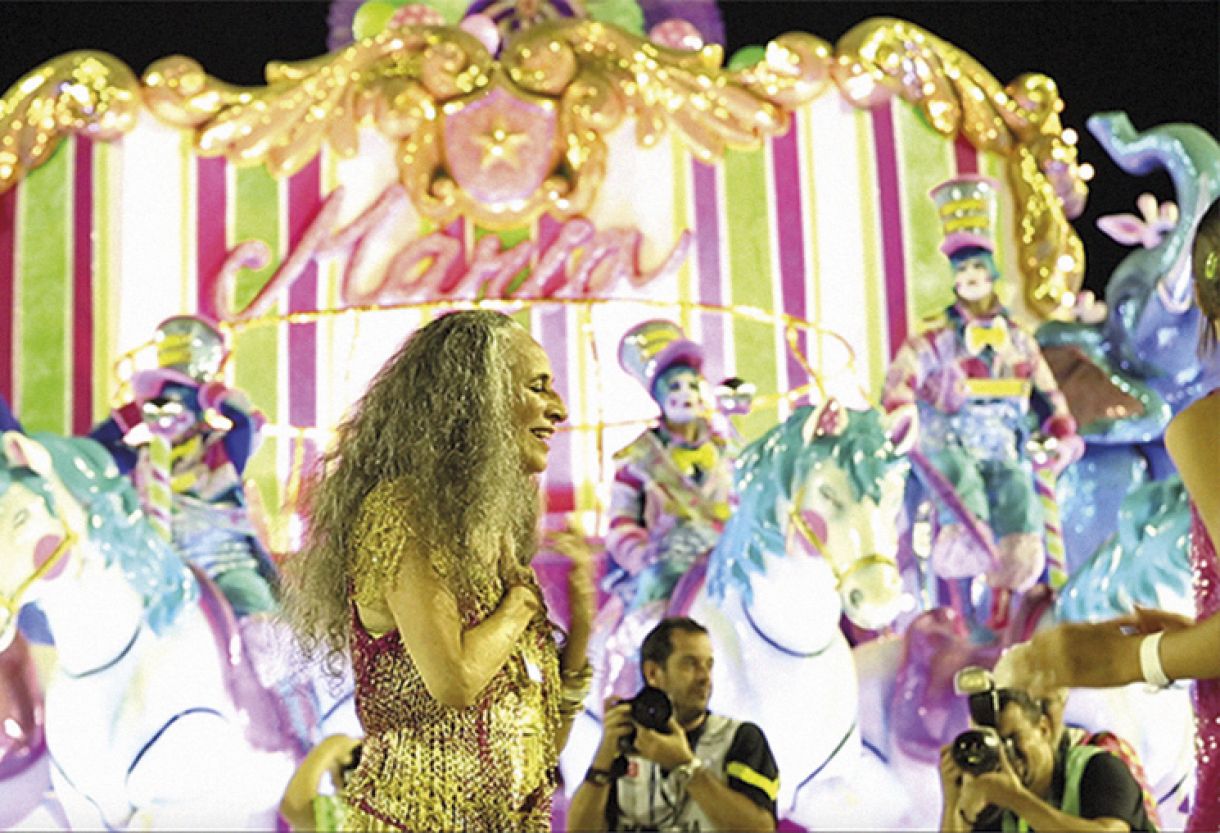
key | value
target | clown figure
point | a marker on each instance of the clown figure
(185, 438)
(672, 493)
(972, 374)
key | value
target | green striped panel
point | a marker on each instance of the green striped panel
(255, 214)
(682, 222)
(749, 241)
(1005, 231)
(105, 304)
(927, 160)
(44, 287)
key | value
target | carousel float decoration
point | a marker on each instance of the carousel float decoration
(502, 119)
(504, 137)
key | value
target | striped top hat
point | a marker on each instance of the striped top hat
(191, 351)
(652, 347)
(966, 206)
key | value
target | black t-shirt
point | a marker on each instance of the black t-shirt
(1107, 790)
(749, 748)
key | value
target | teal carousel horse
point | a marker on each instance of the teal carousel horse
(814, 538)
(154, 714)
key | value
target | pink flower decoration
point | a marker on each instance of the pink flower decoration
(416, 14)
(677, 33)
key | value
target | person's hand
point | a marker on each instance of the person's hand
(1002, 787)
(339, 751)
(525, 602)
(952, 779)
(969, 805)
(616, 725)
(667, 750)
(951, 774)
(1068, 655)
(1146, 620)
(512, 569)
(572, 544)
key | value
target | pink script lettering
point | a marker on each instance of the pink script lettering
(580, 262)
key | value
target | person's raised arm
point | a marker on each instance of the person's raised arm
(455, 662)
(1102, 654)
(572, 544)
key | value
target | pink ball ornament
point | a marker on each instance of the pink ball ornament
(483, 28)
(416, 14)
(677, 33)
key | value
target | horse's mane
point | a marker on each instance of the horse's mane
(770, 472)
(118, 528)
(1145, 562)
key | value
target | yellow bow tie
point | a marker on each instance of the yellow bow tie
(704, 457)
(980, 334)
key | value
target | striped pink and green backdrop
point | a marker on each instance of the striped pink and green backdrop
(829, 224)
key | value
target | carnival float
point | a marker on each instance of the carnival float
(197, 279)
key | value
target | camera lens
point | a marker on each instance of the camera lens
(651, 708)
(977, 751)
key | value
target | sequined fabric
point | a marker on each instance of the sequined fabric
(1205, 815)
(427, 766)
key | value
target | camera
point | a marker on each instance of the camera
(978, 750)
(650, 708)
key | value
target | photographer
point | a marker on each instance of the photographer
(1034, 778)
(691, 770)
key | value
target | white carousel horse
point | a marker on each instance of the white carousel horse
(154, 714)
(814, 538)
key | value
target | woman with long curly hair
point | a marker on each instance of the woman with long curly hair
(422, 521)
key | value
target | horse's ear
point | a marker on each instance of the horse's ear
(902, 427)
(826, 420)
(20, 450)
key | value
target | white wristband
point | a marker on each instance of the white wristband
(1150, 660)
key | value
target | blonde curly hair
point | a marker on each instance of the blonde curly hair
(437, 420)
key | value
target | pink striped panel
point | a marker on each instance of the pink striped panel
(82, 288)
(889, 188)
(966, 157)
(790, 226)
(552, 331)
(8, 231)
(707, 258)
(304, 200)
(211, 234)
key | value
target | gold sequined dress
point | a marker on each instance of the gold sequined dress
(430, 767)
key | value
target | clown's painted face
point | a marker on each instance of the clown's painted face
(172, 414)
(972, 280)
(679, 393)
